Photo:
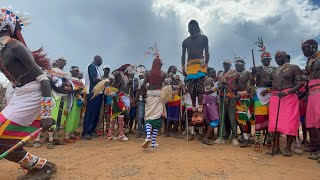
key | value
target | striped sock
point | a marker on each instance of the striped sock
(154, 136)
(50, 134)
(121, 126)
(148, 130)
(257, 135)
(38, 137)
(269, 138)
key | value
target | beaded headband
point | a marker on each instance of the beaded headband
(7, 17)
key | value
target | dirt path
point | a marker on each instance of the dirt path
(174, 159)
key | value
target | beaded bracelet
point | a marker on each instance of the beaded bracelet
(269, 90)
(46, 107)
(286, 91)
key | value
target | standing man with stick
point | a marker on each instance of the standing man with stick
(261, 78)
(197, 47)
(227, 102)
(284, 103)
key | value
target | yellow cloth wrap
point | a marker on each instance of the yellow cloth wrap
(261, 110)
(175, 98)
(194, 66)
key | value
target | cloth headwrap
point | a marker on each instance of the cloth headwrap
(74, 68)
(227, 61)
(282, 53)
(106, 67)
(155, 72)
(240, 61)
(265, 55)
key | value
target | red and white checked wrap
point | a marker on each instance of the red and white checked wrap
(46, 107)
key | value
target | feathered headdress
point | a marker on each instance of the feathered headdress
(238, 60)
(264, 54)
(17, 20)
(155, 51)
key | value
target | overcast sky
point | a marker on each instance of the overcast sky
(122, 30)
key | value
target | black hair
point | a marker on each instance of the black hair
(196, 23)
(170, 69)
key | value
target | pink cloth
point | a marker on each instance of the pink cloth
(289, 117)
(313, 107)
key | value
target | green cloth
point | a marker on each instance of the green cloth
(55, 111)
(73, 117)
(155, 123)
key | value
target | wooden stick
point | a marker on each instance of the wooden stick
(22, 142)
(253, 61)
(277, 119)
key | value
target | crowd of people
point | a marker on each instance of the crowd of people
(130, 100)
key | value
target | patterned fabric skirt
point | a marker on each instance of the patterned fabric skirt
(244, 111)
(117, 107)
(11, 130)
(195, 86)
(261, 114)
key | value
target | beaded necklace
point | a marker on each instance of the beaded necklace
(15, 82)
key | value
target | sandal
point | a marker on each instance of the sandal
(276, 152)
(50, 145)
(269, 146)
(69, 141)
(191, 137)
(314, 157)
(109, 137)
(257, 148)
(75, 138)
(287, 153)
(207, 142)
(58, 142)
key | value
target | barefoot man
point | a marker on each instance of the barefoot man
(284, 86)
(197, 47)
(310, 50)
(31, 104)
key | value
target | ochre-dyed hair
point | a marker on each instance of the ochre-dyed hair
(39, 56)
(155, 72)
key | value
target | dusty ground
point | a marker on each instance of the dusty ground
(174, 159)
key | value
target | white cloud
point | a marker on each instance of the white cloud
(235, 24)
